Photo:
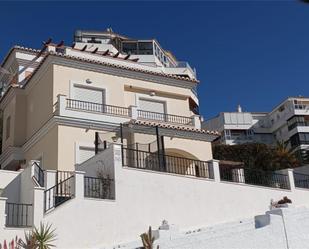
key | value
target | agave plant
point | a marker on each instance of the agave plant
(44, 236)
(148, 239)
(41, 238)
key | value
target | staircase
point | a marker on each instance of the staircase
(62, 191)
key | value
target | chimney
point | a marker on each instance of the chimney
(239, 108)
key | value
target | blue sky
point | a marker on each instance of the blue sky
(253, 53)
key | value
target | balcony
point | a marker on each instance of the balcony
(158, 161)
(116, 114)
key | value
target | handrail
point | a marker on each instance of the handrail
(158, 161)
(58, 194)
(255, 177)
(18, 215)
(97, 107)
(170, 118)
(38, 174)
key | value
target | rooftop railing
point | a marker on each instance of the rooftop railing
(255, 177)
(163, 117)
(96, 107)
(157, 161)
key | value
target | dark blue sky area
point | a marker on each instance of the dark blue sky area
(249, 53)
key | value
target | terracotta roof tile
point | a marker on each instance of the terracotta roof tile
(175, 127)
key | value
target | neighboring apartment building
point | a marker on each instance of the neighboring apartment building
(58, 98)
(287, 122)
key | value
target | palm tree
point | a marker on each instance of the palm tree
(283, 157)
(29, 243)
(148, 239)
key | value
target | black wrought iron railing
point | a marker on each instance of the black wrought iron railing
(18, 215)
(98, 187)
(63, 175)
(301, 180)
(255, 177)
(58, 194)
(96, 107)
(163, 117)
(38, 174)
(165, 163)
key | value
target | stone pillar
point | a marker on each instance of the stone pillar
(133, 111)
(197, 121)
(2, 212)
(79, 184)
(214, 169)
(38, 205)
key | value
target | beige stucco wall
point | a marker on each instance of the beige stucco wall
(45, 149)
(39, 102)
(9, 111)
(175, 97)
(68, 138)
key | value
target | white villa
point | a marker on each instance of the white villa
(103, 138)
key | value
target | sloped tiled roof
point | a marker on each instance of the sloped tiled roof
(171, 126)
(78, 58)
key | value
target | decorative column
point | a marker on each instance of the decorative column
(133, 111)
(38, 205)
(2, 212)
(197, 121)
(79, 184)
(61, 104)
(214, 169)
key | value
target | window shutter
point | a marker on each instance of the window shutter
(151, 106)
(89, 95)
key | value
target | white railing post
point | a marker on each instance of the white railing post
(61, 104)
(38, 205)
(50, 178)
(133, 111)
(79, 184)
(2, 212)
(214, 165)
(291, 179)
(197, 121)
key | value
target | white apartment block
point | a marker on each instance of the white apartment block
(103, 138)
(287, 122)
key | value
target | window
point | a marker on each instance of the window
(299, 138)
(8, 127)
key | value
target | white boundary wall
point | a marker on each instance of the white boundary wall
(146, 198)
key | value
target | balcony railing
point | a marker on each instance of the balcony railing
(301, 180)
(255, 177)
(96, 107)
(38, 174)
(18, 215)
(298, 124)
(157, 116)
(95, 187)
(165, 163)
